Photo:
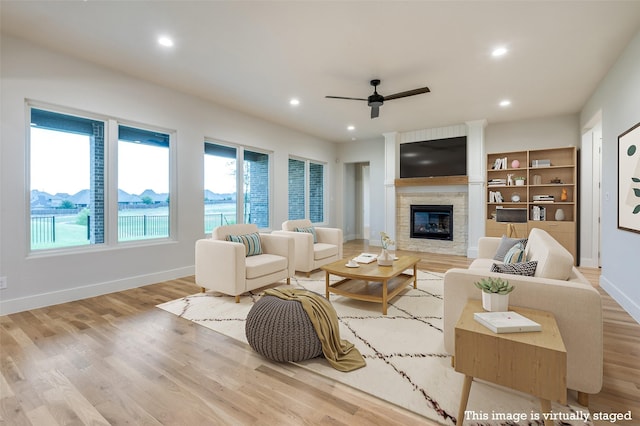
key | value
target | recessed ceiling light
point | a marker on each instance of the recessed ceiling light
(165, 41)
(351, 128)
(294, 102)
(505, 103)
(499, 51)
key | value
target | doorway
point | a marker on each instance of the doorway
(357, 201)
(591, 194)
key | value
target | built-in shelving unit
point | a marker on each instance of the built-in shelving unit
(550, 174)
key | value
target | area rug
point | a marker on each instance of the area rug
(404, 350)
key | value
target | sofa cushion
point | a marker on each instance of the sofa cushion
(515, 254)
(324, 250)
(554, 261)
(522, 268)
(251, 243)
(264, 264)
(506, 244)
(311, 230)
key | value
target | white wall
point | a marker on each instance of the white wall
(538, 133)
(35, 73)
(618, 97)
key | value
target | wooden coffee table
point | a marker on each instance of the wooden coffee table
(534, 362)
(370, 282)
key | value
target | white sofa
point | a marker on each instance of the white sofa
(224, 267)
(557, 287)
(309, 255)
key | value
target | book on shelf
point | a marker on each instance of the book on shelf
(538, 213)
(537, 198)
(500, 164)
(366, 257)
(495, 197)
(506, 322)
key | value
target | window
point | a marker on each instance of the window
(256, 188)
(220, 183)
(143, 184)
(66, 180)
(224, 205)
(306, 190)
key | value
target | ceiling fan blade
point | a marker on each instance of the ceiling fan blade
(342, 97)
(407, 93)
(375, 112)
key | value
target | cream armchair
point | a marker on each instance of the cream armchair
(311, 255)
(224, 266)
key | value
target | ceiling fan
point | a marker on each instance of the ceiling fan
(376, 100)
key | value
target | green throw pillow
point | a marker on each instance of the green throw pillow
(311, 230)
(251, 243)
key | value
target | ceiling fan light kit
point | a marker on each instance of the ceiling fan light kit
(376, 100)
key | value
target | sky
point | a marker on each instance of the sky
(59, 164)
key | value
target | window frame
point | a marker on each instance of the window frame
(240, 151)
(110, 158)
(307, 187)
(114, 182)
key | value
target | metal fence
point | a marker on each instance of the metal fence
(43, 229)
(217, 219)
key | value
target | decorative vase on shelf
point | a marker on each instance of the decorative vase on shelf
(559, 214)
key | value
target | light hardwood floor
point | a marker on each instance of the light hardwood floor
(116, 359)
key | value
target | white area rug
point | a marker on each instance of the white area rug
(404, 351)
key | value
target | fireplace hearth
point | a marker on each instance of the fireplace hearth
(433, 222)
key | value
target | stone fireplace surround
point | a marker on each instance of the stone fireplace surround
(405, 197)
(467, 198)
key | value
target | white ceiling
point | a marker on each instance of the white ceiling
(255, 56)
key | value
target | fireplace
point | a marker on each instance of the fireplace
(433, 222)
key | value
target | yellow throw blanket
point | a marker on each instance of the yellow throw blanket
(341, 354)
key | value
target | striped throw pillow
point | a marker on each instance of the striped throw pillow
(251, 243)
(515, 254)
(311, 230)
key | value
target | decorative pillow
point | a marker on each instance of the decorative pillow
(515, 254)
(522, 268)
(311, 230)
(505, 245)
(251, 243)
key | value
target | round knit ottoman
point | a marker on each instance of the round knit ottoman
(281, 330)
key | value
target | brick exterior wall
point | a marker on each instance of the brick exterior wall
(296, 189)
(258, 191)
(316, 192)
(97, 185)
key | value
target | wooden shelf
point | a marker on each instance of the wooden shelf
(539, 181)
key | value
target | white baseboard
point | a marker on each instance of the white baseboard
(627, 304)
(12, 306)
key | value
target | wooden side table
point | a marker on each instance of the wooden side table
(534, 362)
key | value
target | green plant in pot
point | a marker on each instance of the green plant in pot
(495, 294)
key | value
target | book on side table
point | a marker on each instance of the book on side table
(506, 322)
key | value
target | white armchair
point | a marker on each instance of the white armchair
(224, 266)
(311, 255)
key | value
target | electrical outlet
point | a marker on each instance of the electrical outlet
(3, 283)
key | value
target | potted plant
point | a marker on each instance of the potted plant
(519, 180)
(495, 294)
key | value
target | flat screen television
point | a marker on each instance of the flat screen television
(437, 157)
